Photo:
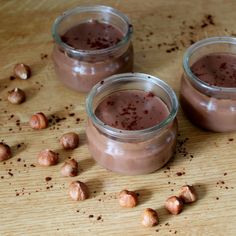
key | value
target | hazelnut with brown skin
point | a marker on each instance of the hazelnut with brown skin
(128, 199)
(78, 191)
(38, 121)
(70, 168)
(22, 71)
(69, 140)
(188, 194)
(47, 158)
(174, 205)
(150, 218)
(16, 96)
(5, 152)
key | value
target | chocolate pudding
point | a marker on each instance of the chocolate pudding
(131, 131)
(211, 111)
(87, 52)
(132, 110)
(218, 69)
(92, 35)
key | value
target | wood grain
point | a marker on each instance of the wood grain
(163, 30)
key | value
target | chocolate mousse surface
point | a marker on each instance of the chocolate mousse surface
(92, 35)
(132, 110)
(218, 69)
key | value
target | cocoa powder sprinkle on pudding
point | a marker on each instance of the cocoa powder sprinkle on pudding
(132, 110)
(216, 69)
(96, 35)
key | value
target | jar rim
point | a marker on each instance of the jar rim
(131, 134)
(193, 48)
(95, 8)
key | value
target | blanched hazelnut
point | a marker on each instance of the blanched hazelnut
(78, 191)
(22, 71)
(16, 96)
(150, 218)
(47, 158)
(38, 121)
(69, 140)
(174, 205)
(5, 152)
(70, 168)
(128, 199)
(188, 194)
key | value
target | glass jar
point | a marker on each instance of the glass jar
(208, 106)
(82, 69)
(137, 151)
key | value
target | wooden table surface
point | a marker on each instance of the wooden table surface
(29, 205)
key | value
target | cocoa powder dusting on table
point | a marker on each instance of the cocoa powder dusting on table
(48, 179)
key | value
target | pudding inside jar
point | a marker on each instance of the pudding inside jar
(217, 69)
(132, 126)
(132, 110)
(208, 85)
(92, 35)
(91, 44)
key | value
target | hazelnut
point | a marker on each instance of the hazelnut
(69, 140)
(150, 218)
(47, 158)
(70, 168)
(188, 194)
(174, 205)
(128, 199)
(38, 121)
(16, 96)
(78, 191)
(22, 71)
(5, 152)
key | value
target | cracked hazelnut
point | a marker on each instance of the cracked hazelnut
(174, 205)
(150, 218)
(70, 168)
(38, 121)
(5, 152)
(69, 140)
(16, 96)
(22, 71)
(188, 194)
(47, 158)
(78, 191)
(128, 199)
